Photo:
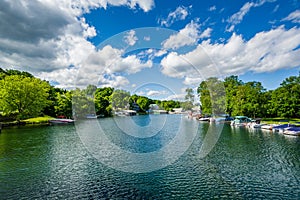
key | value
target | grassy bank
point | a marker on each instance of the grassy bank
(37, 120)
(280, 120)
(32, 121)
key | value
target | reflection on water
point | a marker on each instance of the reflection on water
(51, 162)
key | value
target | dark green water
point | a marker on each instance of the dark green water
(51, 162)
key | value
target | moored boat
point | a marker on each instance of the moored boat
(240, 121)
(204, 119)
(268, 126)
(281, 128)
(61, 121)
(294, 131)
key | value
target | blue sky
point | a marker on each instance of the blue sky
(149, 47)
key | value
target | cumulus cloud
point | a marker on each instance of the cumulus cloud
(130, 38)
(156, 92)
(100, 68)
(189, 35)
(177, 97)
(266, 51)
(212, 8)
(294, 17)
(180, 13)
(236, 18)
(206, 33)
(50, 36)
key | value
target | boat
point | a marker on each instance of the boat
(240, 121)
(281, 128)
(61, 121)
(294, 131)
(204, 119)
(255, 123)
(91, 116)
(268, 126)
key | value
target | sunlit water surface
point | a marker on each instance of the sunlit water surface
(52, 162)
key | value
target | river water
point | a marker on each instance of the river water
(62, 162)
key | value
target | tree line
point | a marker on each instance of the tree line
(235, 97)
(23, 96)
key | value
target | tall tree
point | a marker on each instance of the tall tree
(231, 84)
(143, 103)
(212, 96)
(102, 101)
(25, 95)
(189, 99)
(285, 100)
(63, 104)
(120, 99)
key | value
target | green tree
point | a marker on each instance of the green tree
(231, 84)
(285, 100)
(170, 104)
(63, 104)
(212, 96)
(102, 101)
(205, 99)
(120, 99)
(25, 95)
(82, 104)
(52, 98)
(189, 99)
(249, 99)
(143, 103)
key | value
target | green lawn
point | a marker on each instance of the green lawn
(38, 120)
(280, 120)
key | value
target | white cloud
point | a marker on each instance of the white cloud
(146, 5)
(212, 8)
(206, 33)
(180, 13)
(130, 38)
(51, 35)
(99, 68)
(266, 51)
(189, 35)
(110, 60)
(147, 38)
(294, 17)
(160, 53)
(113, 81)
(177, 97)
(88, 31)
(276, 8)
(156, 92)
(238, 17)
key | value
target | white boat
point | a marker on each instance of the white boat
(255, 125)
(61, 121)
(91, 116)
(268, 126)
(204, 119)
(240, 121)
(281, 128)
(294, 131)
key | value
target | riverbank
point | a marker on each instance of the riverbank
(31, 121)
(280, 120)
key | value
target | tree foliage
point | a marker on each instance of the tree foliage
(120, 99)
(27, 96)
(102, 101)
(252, 99)
(212, 96)
(189, 99)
